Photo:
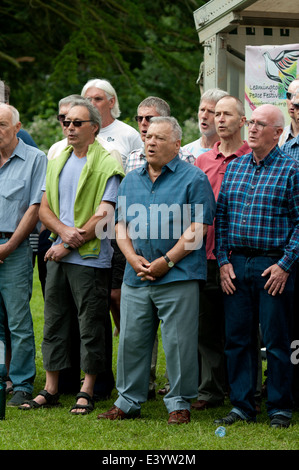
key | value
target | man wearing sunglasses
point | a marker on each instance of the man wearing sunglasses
(81, 189)
(257, 249)
(292, 129)
(151, 106)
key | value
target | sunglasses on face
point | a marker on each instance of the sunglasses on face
(289, 95)
(76, 123)
(140, 118)
(60, 117)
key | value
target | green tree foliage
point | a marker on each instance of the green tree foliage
(49, 49)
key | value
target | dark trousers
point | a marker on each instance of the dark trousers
(249, 305)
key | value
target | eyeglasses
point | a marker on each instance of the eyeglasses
(76, 123)
(258, 125)
(140, 118)
(60, 117)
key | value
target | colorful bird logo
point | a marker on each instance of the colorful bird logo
(282, 68)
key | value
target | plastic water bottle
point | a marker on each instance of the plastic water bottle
(221, 431)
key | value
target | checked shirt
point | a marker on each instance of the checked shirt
(258, 207)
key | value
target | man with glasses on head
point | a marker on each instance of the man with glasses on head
(152, 106)
(81, 188)
(292, 129)
(257, 248)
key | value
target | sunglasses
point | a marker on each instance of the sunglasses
(60, 117)
(289, 95)
(296, 105)
(140, 118)
(76, 123)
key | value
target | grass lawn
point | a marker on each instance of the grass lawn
(56, 429)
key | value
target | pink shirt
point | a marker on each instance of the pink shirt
(214, 164)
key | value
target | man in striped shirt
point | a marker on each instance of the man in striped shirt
(257, 249)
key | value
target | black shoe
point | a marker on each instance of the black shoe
(18, 398)
(231, 418)
(280, 421)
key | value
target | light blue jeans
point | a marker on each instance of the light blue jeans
(176, 306)
(15, 293)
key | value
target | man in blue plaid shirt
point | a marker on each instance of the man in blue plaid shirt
(257, 249)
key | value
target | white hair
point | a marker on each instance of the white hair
(108, 89)
(15, 116)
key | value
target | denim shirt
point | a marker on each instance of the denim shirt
(157, 213)
(21, 179)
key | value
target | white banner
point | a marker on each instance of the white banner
(268, 72)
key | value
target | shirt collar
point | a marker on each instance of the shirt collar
(172, 165)
(19, 150)
(269, 159)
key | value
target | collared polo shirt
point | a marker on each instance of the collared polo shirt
(213, 163)
(21, 179)
(157, 213)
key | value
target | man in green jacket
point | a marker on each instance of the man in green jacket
(81, 190)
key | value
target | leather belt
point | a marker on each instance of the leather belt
(252, 252)
(6, 234)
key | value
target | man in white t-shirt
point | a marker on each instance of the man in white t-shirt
(125, 139)
(103, 96)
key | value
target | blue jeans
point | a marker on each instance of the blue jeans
(15, 292)
(244, 310)
(176, 305)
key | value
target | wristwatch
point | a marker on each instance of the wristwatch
(169, 263)
(67, 246)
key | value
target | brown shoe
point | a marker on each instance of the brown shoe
(203, 405)
(116, 413)
(179, 417)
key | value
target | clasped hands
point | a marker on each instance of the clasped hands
(73, 236)
(149, 271)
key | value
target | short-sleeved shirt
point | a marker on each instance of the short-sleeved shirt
(157, 213)
(21, 179)
(213, 163)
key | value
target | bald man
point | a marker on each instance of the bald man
(257, 249)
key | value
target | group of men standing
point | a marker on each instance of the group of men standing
(209, 276)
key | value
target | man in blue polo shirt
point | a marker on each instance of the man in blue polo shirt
(22, 171)
(161, 237)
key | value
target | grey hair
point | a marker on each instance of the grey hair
(15, 115)
(161, 106)
(213, 94)
(94, 114)
(69, 99)
(176, 128)
(108, 89)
